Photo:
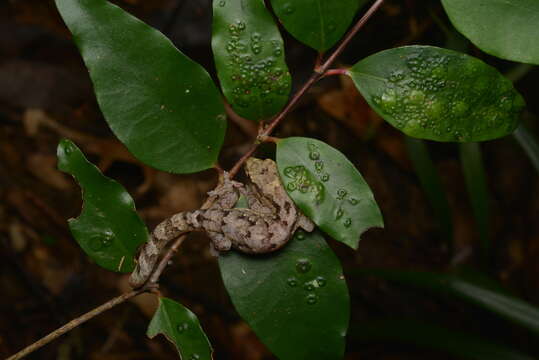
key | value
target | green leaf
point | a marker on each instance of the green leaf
(506, 306)
(431, 183)
(327, 188)
(317, 23)
(438, 94)
(476, 183)
(181, 327)
(457, 343)
(249, 55)
(108, 229)
(163, 106)
(296, 300)
(529, 143)
(503, 28)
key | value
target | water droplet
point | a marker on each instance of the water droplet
(325, 177)
(68, 148)
(96, 243)
(277, 52)
(309, 286)
(312, 299)
(353, 201)
(319, 165)
(240, 24)
(222, 3)
(339, 214)
(341, 194)
(256, 37)
(108, 238)
(347, 222)
(187, 91)
(321, 281)
(195, 357)
(303, 266)
(292, 282)
(291, 186)
(289, 8)
(182, 327)
(300, 235)
(314, 155)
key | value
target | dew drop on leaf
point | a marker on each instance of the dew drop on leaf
(347, 222)
(182, 327)
(303, 266)
(312, 299)
(321, 281)
(308, 286)
(292, 282)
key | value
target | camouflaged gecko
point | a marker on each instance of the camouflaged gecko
(265, 226)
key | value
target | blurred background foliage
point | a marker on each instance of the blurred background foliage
(45, 279)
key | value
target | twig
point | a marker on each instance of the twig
(320, 71)
(76, 322)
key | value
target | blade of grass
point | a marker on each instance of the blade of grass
(476, 183)
(432, 185)
(484, 296)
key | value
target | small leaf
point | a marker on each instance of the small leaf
(317, 23)
(181, 327)
(249, 55)
(506, 306)
(327, 188)
(108, 229)
(163, 106)
(296, 300)
(476, 183)
(503, 28)
(438, 94)
(411, 331)
(529, 143)
(432, 184)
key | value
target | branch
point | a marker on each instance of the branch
(76, 322)
(320, 72)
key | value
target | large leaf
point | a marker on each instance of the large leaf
(504, 28)
(327, 187)
(181, 327)
(296, 300)
(108, 229)
(457, 343)
(432, 184)
(438, 94)
(158, 102)
(317, 23)
(485, 296)
(476, 183)
(249, 55)
(529, 143)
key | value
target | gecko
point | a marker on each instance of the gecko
(266, 225)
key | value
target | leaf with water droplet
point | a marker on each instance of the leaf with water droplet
(514, 38)
(162, 105)
(319, 24)
(108, 229)
(248, 51)
(440, 94)
(343, 205)
(182, 328)
(270, 294)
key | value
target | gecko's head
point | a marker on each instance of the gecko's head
(260, 171)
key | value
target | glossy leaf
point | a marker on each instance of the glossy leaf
(476, 183)
(431, 183)
(438, 94)
(163, 106)
(457, 343)
(108, 229)
(319, 24)
(249, 55)
(529, 143)
(181, 327)
(296, 300)
(506, 306)
(327, 187)
(503, 28)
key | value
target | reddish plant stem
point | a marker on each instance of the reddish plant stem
(320, 72)
(333, 72)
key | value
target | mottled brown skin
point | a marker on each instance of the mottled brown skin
(265, 226)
